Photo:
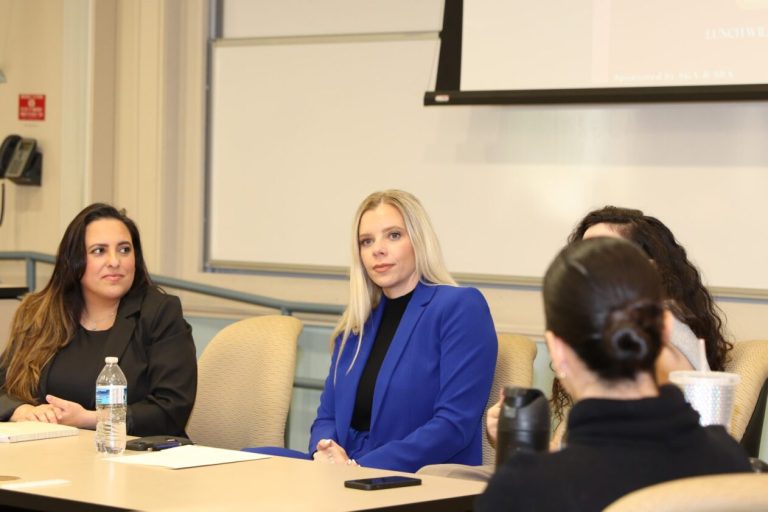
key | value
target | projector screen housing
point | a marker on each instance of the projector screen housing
(600, 51)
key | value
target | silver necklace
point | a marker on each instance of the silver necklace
(92, 324)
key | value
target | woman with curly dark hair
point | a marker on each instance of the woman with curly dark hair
(695, 314)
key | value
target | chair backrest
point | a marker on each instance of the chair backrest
(734, 492)
(245, 384)
(750, 360)
(514, 366)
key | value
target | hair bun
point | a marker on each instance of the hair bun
(627, 343)
(632, 334)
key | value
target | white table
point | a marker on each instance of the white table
(274, 484)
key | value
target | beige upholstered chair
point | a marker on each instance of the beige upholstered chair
(245, 383)
(735, 492)
(514, 366)
(750, 360)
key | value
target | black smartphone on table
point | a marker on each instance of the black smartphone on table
(156, 443)
(382, 482)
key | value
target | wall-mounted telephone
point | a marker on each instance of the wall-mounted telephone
(6, 152)
(20, 161)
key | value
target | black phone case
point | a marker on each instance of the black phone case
(156, 443)
(385, 482)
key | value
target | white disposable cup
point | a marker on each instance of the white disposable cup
(709, 393)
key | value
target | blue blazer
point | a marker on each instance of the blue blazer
(432, 388)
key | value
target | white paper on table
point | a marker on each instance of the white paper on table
(188, 456)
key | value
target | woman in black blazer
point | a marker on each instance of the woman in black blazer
(99, 302)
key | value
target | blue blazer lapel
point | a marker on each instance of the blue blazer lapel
(346, 393)
(422, 295)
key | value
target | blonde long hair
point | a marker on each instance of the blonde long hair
(364, 294)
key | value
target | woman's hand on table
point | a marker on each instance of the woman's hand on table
(72, 413)
(44, 413)
(330, 452)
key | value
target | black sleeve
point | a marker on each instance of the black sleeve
(171, 371)
(8, 404)
(520, 485)
(496, 495)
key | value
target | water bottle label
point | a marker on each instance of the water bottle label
(111, 395)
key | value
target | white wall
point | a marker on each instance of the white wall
(32, 61)
(7, 309)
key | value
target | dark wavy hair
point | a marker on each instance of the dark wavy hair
(71, 258)
(605, 300)
(47, 320)
(685, 294)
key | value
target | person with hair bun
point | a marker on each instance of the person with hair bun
(606, 321)
(694, 313)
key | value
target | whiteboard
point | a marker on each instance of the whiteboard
(301, 132)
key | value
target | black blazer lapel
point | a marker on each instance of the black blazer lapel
(125, 325)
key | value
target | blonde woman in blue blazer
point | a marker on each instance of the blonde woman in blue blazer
(413, 354)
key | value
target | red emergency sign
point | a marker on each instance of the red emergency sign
(32, 107)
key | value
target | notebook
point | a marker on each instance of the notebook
(14, 432)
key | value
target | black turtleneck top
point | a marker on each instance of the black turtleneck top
(390, 320)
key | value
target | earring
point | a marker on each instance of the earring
(560, 373)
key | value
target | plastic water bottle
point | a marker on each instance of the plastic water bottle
(111, 405)
(523, 423)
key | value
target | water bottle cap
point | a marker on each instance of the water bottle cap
(110, 360)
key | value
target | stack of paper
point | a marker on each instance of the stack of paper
(13, 432)
(188, 456)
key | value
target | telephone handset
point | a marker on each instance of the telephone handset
(20, 161)
(6, 152)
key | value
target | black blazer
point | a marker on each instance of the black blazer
(157, 354)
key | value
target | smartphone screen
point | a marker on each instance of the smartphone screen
(383, 482)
